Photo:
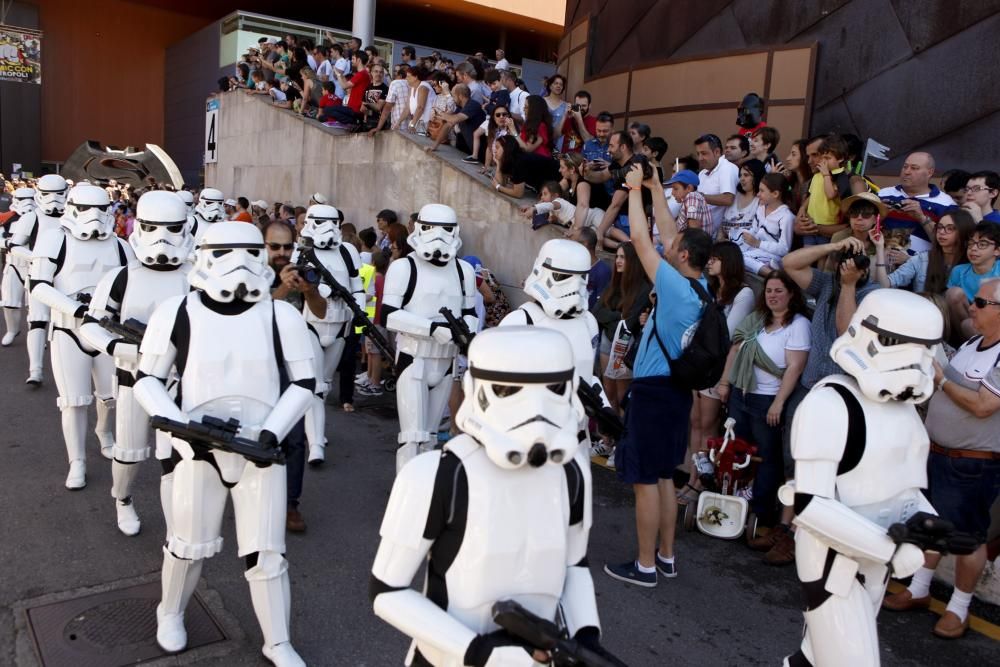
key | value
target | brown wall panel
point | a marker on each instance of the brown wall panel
(574, 76)
(578, 36)
(609, 93)
(789, 122)
(698, 81)
(103, 72)
(789, 74)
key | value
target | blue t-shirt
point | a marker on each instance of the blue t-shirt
(965, 277)
(677, 311)
(992, 216)
(597, 281)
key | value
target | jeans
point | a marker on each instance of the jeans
(963, 491)
(750, 413)
(342, 114)
(295, 461)
(814, 239)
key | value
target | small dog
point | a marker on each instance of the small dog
(897, 239)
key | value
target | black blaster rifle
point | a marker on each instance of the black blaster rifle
(308, 253)
(215, 433)
(131, 330)
(608, 422)
(546, 636)
(932, 533)
(460, 332)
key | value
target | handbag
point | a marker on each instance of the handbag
(621, 345)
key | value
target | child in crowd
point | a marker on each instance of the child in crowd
(369, 243)
(829, 185)
(770, 237)
(964, 279)
(551, 207)
(370, 383)
(383, 219)
(694, 209)
(329, 99)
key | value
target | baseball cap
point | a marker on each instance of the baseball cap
(259, 203)
(685, 176)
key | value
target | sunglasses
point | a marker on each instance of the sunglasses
(501, 115)
(280, 246)
(980, 302)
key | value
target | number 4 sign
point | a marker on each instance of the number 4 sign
(212, 131)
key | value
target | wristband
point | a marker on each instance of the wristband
(942, 383)
(633, 187)
(498, 187)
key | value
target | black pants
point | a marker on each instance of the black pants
(348, 366)
(295, 461)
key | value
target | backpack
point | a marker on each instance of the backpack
(701, 363)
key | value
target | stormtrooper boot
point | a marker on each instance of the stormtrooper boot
(36, 356)
(12, 317)
(180, 576)
(272, 603)
(315, 431)
(104, 429)
(166, 493)
(74, 424)
(122, 475)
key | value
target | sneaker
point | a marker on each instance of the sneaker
(370, 390)
(601, 449)
(611, 459)
(630, 574)
(361, 379)
(667, 568)
(471, 159)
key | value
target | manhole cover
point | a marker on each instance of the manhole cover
(112, 628)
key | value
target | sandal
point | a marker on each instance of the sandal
(688, 494)
(348, 407)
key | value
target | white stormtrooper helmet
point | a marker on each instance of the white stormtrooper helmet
(520, 397)
(188, 200)
(161, 236)
(435, 235)
(889, 346)
(50, 194)
(231, 264)
(88, 213)
(322, 225)
(24, 201)
(209, 205)
(558, 281)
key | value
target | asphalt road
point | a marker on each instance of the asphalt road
(725, 608)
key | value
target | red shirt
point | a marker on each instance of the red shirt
(379, 285)
(572, 141)
(545, 147)
(745, 132)
(360, 83)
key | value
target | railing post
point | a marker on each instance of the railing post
(363, 26)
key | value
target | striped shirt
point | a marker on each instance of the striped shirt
(933, 204)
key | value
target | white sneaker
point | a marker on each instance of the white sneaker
(283, 655)
(9, 337)
(317, 454)
(601, 449)
(170, 632)
(128, 520)
(361, 379)
(77, 477)
(611, 459)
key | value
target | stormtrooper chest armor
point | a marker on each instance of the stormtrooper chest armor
(148, 288)
(42, 224)
(230, 370)
(85, 263)
(515, 540)
(435, 287)
(884, 483)
(580, 331)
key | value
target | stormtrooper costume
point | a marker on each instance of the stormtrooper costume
(860, 453)
(431, 277)
(207, 212)
(188, 200)
(238, 355)
(322, 226)
(50, 201)
(162, 243)
(65, 269)
(503, 512)
(16, 269)
(558, 289)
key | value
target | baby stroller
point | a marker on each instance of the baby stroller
(727, 471)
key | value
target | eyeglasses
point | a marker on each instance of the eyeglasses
(980, 302)
(981, 245)
(946, 229)
(280, 246)
(976, 188)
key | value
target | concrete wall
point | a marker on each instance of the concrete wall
(265, 153)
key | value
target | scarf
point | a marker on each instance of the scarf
(750, 354)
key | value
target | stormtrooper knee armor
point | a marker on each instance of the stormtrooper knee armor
(322, 232)
(162, 243)
(430, 278)
(208, 211)
(16, 269)
(557, 288)
(50, 202)
(231, 345)
(522, 484)
(848, 433)
(65, 269)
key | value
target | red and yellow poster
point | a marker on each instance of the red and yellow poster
(20, 55)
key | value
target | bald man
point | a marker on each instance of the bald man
(915, 204)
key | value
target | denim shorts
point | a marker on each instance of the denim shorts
(621, 222)
(656, 431)
(963, 491)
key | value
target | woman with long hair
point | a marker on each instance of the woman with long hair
(515, 168)
(928, 271)
(738, 218)
(768, 355)
(579, 192)
(725, 280)
(496, 127)
(398, 247)
(796, 169)
(536, 131)
(623, 300)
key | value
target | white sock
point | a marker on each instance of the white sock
(920, 587)
(664, 558)
(959, 604)
(644, 569)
